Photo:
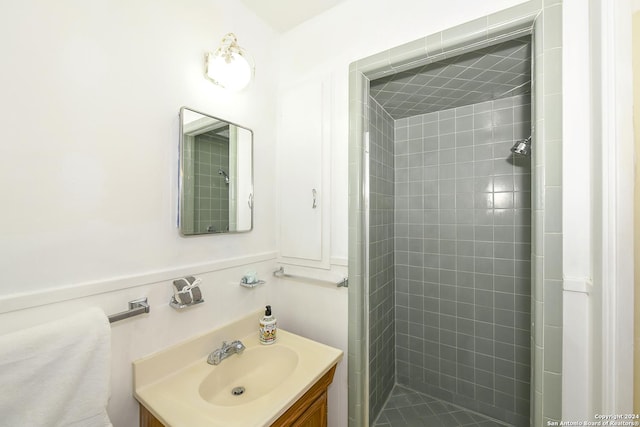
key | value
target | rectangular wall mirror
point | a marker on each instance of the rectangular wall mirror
(216, 175)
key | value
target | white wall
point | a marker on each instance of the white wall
(131, 339)
(90, 94)
(318, 311)
(577, 225)
(597, 209)
(89, 114)
(617, 163)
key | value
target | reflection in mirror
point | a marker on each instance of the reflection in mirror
(216, 175)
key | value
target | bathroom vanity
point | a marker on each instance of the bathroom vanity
(283, 384)
(308, 411)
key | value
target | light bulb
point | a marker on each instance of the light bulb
(233, 73)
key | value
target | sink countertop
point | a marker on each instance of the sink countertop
(167, 383)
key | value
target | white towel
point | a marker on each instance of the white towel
(57, 374)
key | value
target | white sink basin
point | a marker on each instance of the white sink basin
(181, 389)
(257, 370)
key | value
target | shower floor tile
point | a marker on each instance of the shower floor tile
(408, 408)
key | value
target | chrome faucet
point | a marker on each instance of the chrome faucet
(225, 351)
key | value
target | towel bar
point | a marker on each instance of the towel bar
(136, 307)
(344, 283)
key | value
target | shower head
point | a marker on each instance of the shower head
(522, 147)
(223, 173)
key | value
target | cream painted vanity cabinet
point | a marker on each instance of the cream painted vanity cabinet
(304, 139)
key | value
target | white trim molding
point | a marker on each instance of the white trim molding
(617, 210)
(25, 300)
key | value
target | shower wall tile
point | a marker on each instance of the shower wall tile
(548, 160)
(460, 80)
(552, 105)
(463, 256)
(211, 207)
(384, 316)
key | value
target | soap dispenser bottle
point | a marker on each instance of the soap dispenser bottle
(268, 327)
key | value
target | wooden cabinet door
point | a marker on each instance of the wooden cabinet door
(315, 415)
(300, 414)
(147, 419)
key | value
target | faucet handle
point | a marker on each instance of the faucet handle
(238, 345)
(215, 357)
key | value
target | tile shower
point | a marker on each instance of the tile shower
(449, 256)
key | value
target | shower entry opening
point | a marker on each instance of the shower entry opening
(443, 207)
(450, 238)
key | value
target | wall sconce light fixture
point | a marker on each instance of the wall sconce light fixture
(229, 66)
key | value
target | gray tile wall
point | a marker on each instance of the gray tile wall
(547, 215)
(381, 265)
(211, 206)
(462, 257)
